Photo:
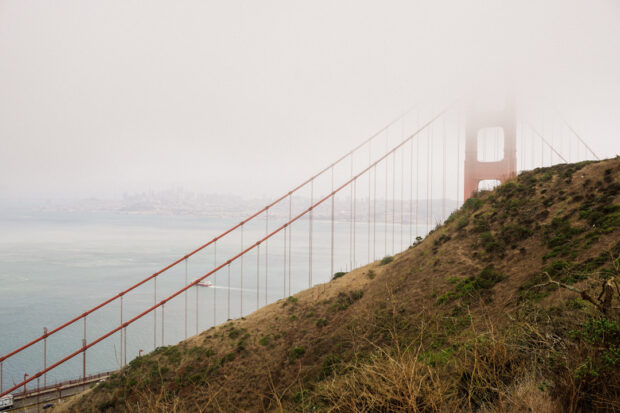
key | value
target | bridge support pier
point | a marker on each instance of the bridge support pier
(501, 170)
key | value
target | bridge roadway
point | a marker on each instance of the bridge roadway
(33, 401)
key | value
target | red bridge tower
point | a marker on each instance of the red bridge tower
(501, 170)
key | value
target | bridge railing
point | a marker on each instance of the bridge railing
(60, 385)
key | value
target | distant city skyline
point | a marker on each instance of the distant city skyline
(176, 201)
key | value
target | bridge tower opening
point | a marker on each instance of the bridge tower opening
(476, 170)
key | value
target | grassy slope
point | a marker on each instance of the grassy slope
(458, 322)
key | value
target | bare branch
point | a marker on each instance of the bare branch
(584, 295)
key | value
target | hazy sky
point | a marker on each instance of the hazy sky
(98, 97)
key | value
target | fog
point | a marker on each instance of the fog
(99, 98)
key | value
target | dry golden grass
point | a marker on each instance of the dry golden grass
(424, 333)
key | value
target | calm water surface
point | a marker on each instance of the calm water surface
(56, 265)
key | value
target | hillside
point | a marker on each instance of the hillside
(511, 306)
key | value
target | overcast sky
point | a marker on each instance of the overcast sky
(98, 97)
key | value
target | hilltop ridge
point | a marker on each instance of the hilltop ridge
(512, 305)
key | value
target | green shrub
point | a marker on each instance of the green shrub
(487, 278)
(462, 223)
(338, 275)
(297, 352)
(509, 189)
(199, 352)
(386, 260)
(228, 357)
(558, 236)
(604, 217)
(472, 204)
(481, 224)
(513, 233)
(599, 344)
(234, 333)
(599, 332)
(329, 364)
(442, 239)
(344, 300)
(490, 244)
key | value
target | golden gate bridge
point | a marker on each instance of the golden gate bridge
(386, 184)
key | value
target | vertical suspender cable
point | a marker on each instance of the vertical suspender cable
(570, 144)
(354, 187)
(284, 263)
(83, 367)
(485, 144)
(524, 137)
(385, 238)
(374, 216)
(428, 177)
(417, 179)
(185, 296)
(310, 235)
(561, 143)
(553, 133)
(411, 192)
(163, 343)
(44, 357)
(120, 359)
(578, 152)
(369, 190)
(215, 284)
(496, 143)
(443, 198)
(542, 144)
(84, 341)
(241, 276)
(560, 138)
(331, 274)
(393, 199)
(520, 144)
(533, 150)
(154, 313)
(351, 221)
(402, 194)
(197, 301)
(290, 241)
(228, 300)
(257, 276)
(523, 155)
(552, 142)
(266, 255)
(431, 175)
(458, 159)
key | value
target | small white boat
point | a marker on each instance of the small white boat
(204, 284)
